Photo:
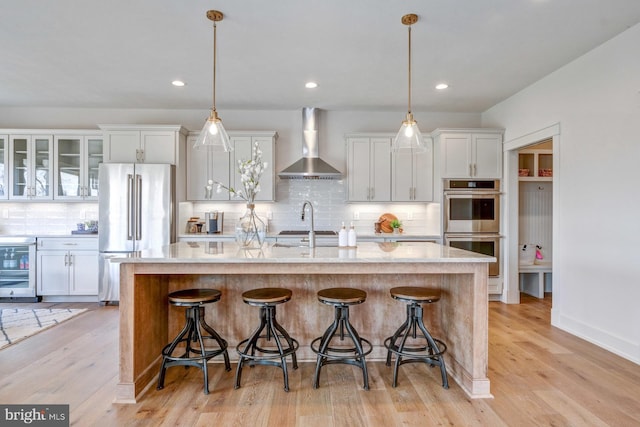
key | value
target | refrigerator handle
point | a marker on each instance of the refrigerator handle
(130, 195)
(138, 207)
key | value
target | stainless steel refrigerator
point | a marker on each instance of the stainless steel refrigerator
(136, 211)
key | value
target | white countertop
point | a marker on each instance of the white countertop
(366, 252)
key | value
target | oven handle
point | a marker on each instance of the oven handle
(471, 193)
(484, 236)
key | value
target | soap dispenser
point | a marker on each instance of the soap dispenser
(351, 239)
(343, 240)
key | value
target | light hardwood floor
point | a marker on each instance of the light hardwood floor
(540, 376)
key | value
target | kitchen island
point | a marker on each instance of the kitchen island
(460, 318)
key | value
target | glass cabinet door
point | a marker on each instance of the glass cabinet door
(68, 161)
(94, 158)
(4, 159)
(20, 179)
(42, 167)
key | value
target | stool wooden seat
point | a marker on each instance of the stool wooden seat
(262, 296)
(341, 299)
(194, 299)
(412, 347)
(269, 330)
(190, 297)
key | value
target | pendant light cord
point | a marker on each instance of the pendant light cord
(409, 106)
(214, 65)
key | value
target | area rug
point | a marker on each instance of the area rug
(17, 324)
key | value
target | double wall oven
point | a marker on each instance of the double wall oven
(472, 217)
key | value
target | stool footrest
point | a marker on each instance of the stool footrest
(353, 352)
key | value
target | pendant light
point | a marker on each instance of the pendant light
(213, 134)
(409, 136)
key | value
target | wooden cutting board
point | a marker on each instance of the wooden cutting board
(385, 222)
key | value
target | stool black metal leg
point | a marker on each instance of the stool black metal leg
(434, 349)
(222, 343)
(169, 349)
(287, 337)
(359, 351)
(399, 332)
(276, 338)
(250, 346)
(324, 343)
(198, 334)
(400, 349)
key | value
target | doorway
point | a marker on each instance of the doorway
(511, 230)
(535, 214)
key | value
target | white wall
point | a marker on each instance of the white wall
(596, 101)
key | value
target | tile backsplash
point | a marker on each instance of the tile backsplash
(330, 210)
(44, 218)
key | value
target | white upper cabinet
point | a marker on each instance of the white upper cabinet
(219, 166)
(31, 164)
(412, 175)
(369, 168)
(142, 143)
(76, 166)
(469, 153)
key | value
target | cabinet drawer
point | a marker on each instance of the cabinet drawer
(68, 244)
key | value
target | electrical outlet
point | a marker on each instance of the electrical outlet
(356, 215)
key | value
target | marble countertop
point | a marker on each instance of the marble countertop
(365, 252)
(367, 236)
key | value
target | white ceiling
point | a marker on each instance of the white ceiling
(125, 53)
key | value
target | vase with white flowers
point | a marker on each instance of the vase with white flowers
(250, 229)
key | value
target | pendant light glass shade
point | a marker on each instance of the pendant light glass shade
(213, 134)
(409, 136)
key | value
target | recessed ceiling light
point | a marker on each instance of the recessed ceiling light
(178, 83)
(311, 85)
(442, 86)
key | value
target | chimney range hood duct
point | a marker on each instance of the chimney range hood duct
(310, 166)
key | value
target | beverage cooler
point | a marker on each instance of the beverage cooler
(18, 269)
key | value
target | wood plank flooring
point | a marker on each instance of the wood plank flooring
(540, 376)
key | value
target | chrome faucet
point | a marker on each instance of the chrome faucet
(312, 232)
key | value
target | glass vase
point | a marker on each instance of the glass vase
(250, 229)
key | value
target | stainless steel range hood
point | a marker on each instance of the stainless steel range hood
(310, 166)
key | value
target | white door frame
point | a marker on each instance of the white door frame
(511, 289)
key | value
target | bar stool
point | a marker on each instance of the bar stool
(423, 348)
(267, 299)
(193, 300)
(341, 299)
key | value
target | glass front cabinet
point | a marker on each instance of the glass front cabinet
(31, 163)
(77, 159)
(4, 162)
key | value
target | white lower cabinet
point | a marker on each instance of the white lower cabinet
(67, 266)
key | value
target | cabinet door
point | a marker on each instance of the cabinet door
(53, 273)
(121, 146)
(358, 174)
(380, 169)
(267, 181)
(83, 273)
(403, 176)
(92, 158)
(202, 166)
(31, 162)
(158, 146)
(241, 151)
(488, 156)
(423, 177)
(456, 155)
(4, 166)
(68, 179)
